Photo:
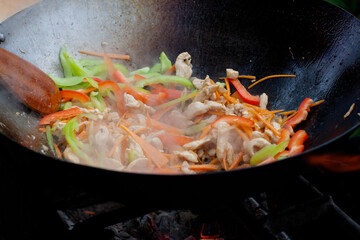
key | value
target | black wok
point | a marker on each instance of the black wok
(316, 41)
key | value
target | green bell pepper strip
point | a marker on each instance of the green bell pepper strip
(50, 138)
(132, 155)
(86, 62)
(92, 82)
(67, 69)
(77, 69)
(165, 63)
(101, 69)
(140, 71)
(268, 151)
(97, 100)
(67, 105)
(67, 82)
(178, 100)
(75, 144)
(165, 79)
(156, 68)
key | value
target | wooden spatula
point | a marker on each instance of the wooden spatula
(31, 85)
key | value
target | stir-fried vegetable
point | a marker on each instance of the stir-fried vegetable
(153, 119)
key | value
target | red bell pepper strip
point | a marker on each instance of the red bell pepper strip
(97, 79)
(70, 94)
(149, 99)
(284, 135)
(301, 114)
(114, 74)
(169, 139)
(170, 93)
(296, 144)
(120, 103)
(244, 94)
(138, 77)
(69, 113)
(234, 120)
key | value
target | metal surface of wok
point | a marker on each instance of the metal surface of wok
(316, 41)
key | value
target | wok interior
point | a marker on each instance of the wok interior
(317, 42)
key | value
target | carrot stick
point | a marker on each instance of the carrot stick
(271, 76)
(265, 122)
(154, 154)
(110, 55)
(237, 161)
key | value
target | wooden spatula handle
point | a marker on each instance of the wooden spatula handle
(32, 86)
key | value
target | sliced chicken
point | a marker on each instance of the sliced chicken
(231, 73)
(183, 65)
(197, 108)
(206, 93)
(190, 156)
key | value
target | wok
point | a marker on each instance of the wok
(316, 41)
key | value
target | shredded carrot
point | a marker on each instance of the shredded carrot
(317, 103)
(218, 113)
(265, 122)
(205, 167)
(171, 70)
(247, 77)
(120, 140)
(153, 153)
(288, 112)
(243, 135)
(268, 77)
(216, 91)
(161, 112)
(230, 99)
(258, 109)
(205, 131)
(214, 161)
(116, 144)
(227, 86)
(110, 55)
(163, 126)
(57, 150)
(237, 161)
(224, 161)
(247, 130)
(287, 119)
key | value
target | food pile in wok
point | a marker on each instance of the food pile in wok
(161, 119)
